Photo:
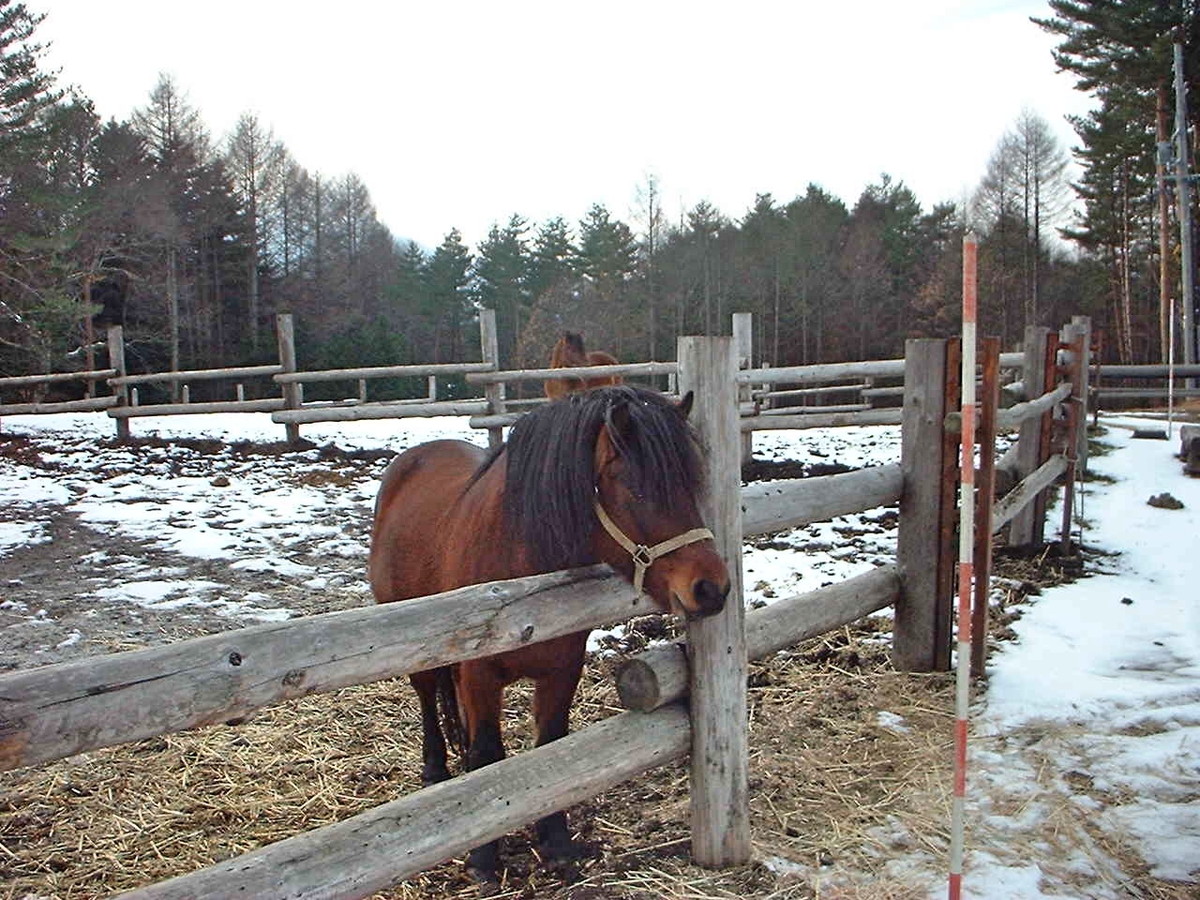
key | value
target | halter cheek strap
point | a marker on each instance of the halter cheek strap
(643, 556)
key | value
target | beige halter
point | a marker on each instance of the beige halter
(643, 556)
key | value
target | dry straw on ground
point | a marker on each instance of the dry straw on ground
(837, 790)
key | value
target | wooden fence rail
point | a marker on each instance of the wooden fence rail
(367, 853)
(195, 375)
(660, 675)
(55, 711)
(56, 378)
(621, 369)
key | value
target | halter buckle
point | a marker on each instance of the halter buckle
(642, 556)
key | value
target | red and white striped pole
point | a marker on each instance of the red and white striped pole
(966, 565)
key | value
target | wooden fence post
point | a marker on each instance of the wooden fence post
(1083, 325)
(921, 640)
(1076, 338)
(286, 336)
(489, 342)
(720, 741)
(116, 360)
(1025, 527)
(743, 340)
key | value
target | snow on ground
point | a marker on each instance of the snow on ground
(1090, 722)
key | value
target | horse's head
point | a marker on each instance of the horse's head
(570, 352)
(614, 475)
(648, 481)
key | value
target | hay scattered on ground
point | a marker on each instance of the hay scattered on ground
(850, 771)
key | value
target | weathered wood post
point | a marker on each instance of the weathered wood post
(1027, 525)
(286, 335)
(489, 343)
(1076, 338)
(116, 360)
(1083, 383)
(720, 743)
(743, 341)
(921, 641)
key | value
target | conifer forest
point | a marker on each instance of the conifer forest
(194, 242)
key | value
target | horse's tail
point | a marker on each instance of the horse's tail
(447, 700)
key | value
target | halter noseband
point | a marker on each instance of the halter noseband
(643, 556)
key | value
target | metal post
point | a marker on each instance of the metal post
(966, 565)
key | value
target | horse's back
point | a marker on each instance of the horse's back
(419, 487)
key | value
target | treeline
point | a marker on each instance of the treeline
(193, 244)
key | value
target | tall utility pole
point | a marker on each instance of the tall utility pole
(1183, 189)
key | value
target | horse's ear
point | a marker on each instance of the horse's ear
(685, 404)
(616, 418)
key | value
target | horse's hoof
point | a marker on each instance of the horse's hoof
(486, 881)
(560, 848)
(482, 864)
(434, 774)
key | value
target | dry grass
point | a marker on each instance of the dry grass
(837, 791)
(825, 776)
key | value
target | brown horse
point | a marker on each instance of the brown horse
(610, 475)
(569, 351)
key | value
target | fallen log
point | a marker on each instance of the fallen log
(660, 675)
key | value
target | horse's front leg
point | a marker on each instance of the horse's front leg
(479, 696)
(552, 698)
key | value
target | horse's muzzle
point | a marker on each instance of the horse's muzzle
(709, 598)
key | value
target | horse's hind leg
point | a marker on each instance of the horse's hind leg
(480, 693)
(433, 742)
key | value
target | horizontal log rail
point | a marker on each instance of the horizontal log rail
(1026, 491)
(364, 854)
(820, 372)
(59, 710)
(368, 372)
(876, 368)
(1108, 393)
(772, 506)
(55, 711)
(812, 410)
(1147, 371)
(387, 409)
(1012, 418)
(660, 675)
(182, 409)
(56, 377)
(823, 420)
(58, 406)
(195, 375)
(812, 391)
(622, 369)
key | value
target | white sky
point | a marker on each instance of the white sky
(461, 114)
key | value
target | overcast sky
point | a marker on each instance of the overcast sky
(460, 114)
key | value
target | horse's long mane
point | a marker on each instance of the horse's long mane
(550, 469)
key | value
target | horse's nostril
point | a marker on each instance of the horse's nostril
(710, 597)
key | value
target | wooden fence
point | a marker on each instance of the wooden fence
(55, 711)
